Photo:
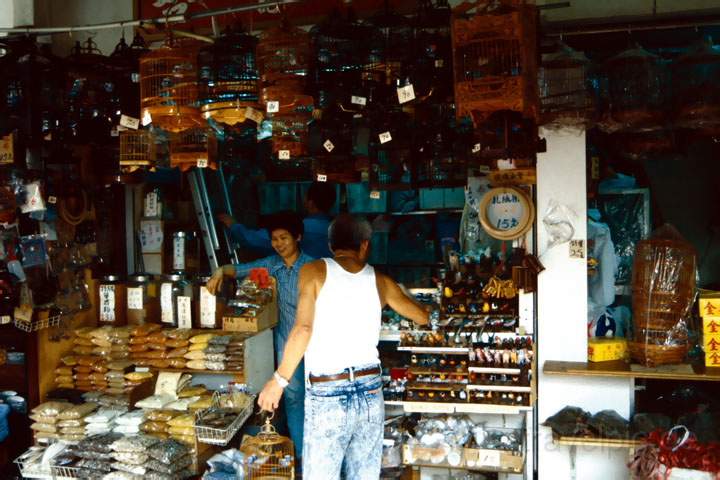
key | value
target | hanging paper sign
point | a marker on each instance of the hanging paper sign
(328, 146)
(202, 162)
(406, 93)
(284, 154)
(254, 115)
(146, 119)
(7, 149)
(166, 303)
(135, 77)
(135, 298)
(322, 178)
(358, 100)
(151, 236)
(208, 308)
(52, 200)
(439, 63)
(385, 137)
(476, 148)
(375, 195)
(129, 122)
(5, 319)
(179, 253)
(107, 303)
(506, 213)
(151, 209)
(273, 106)
(184, 312)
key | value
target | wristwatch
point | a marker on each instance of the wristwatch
(280, 380)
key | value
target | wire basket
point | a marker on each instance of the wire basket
(29, 465)
(137, 150)
(221, 436)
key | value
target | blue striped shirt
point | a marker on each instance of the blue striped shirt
(287, 284)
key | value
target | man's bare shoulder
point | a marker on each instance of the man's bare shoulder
(314, 270)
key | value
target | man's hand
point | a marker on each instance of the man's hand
(226, 219)
(269, 398)
(215, 282)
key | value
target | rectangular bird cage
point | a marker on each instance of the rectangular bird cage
(137, 150)
(196, 147)
(564, 86)
(495, 66)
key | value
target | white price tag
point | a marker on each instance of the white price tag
(476, 148)
(179, 253)
(375, 195)
(385, 137)
(146, 119)
(129, 122)
(135, 77)
(254, 115)
(135, 298)
(184, 312)
(115, 131)
(202, 162)
(406, 93)
(321, 178)
(107, 303)
(273, 106)
(388, 442)
(208, 307)
(151, 209)
(24, 313)
(329, 146)
(5, 319)
(284, 154)
(166, 303)
(489, 458)
(52, 200)
(439, 63)
(142, 369)
(151, 236)
(358, 100)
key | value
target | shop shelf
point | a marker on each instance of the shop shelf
(238, 374)
(470, 459)
(440, 350)
(436, 407)
(599, 442)
(507, 371)
(500, 388)
(389, 335)
(623, 369)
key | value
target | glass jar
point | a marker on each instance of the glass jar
(209, 308)
(184, 252)
(112, 301)
(143, 303)
(176, 301)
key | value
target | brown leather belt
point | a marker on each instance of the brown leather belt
(345, 375)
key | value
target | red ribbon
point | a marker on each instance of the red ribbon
(260, 277)
(689, 454)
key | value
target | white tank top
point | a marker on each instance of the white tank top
(346, 329)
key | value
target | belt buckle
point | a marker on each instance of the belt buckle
(351, 372)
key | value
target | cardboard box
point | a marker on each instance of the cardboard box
(709, 304)
(606, 349)
(267, 318)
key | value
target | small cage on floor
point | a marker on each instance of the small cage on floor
(168, 86)
(268, 455)
(137, 150)
(564, 94)
(696, 87)
(193, 148)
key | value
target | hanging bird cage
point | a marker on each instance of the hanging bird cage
(696, 87)
(268, 456)
(429, 66)
(637, 93)
(564, 87)
(289, 115)
(125, 63)
(196, 147)
(391, 163)
(137, 150)
(228, 77)
(168, 86)
(283, 56)
(495, 65)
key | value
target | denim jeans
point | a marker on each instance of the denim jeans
(344, 429)
(294, 401)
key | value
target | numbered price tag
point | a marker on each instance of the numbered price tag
(273, 106)
(202, 162)
(284, 154)
(166, 303)
(329, 146)
(489, 458)
(476, 148)
(406, 93)
(146, 119)
(184, 312)
(375, 195)
(385, 137)
(208, 307)
(254, 115)
(7, 149)
(358, 100)
(439, 63)
(135, 298)
(179, 253)
(322, 178)
(129, 122)
(52, 200)
(107, 303)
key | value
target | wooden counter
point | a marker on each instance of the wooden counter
(623, 369)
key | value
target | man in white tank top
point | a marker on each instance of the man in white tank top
(337, 330)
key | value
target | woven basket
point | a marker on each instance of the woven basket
(652, 355)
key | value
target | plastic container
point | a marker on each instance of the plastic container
(143, 302)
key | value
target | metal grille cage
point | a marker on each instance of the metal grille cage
(137, 150)
(563, 84)
(196, 147)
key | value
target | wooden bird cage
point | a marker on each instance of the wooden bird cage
(268, 455)
(169, 87)
(137, 150)
(495, 66)
(563, 83)
(196, 147)
(283, 56)
(637, 91)
(696, 87)
(290, 115)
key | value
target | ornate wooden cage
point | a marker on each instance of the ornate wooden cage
(196, 147)
(564, 87)
(495, 66)
(169, 87)
(137, 150)
(696, 87)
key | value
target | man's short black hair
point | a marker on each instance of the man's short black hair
(347, 232)
(289, 221)
(322, 195)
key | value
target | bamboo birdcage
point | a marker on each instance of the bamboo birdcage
(268, 455)
(563, 83)
(168, 86)
(196, 147)
(495, 66)
(696, 87)
(137, 150)
(290, 121)
(283, 56)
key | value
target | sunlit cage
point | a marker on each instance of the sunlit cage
(137, 150)
(564, 87)
(696, 87)
(429, 68)
(196, 147)
(168, 86)
(637, 91)
(289, 114)
(228, 77)
(495, 66)
(268, 455)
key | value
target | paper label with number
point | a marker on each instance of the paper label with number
(385, 137)
(577, 249)
(375, 195)
(322, 178)
(179, 253)
(406, 93)
(151, 236)
(146, 119)
(329, 146)
(151, 209)
(208, 308)
(129, 122)
(107, 303)
(273, 106)
(439, 63)
(135, 298)
(7, 149)
(166, 303)
(184, 312)
(476, 148)
(52, 200)
(5, 319)
(23, 313)
(254, 115)
(358, 100)
(489, 458)
(284, 154)
(202, 162)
